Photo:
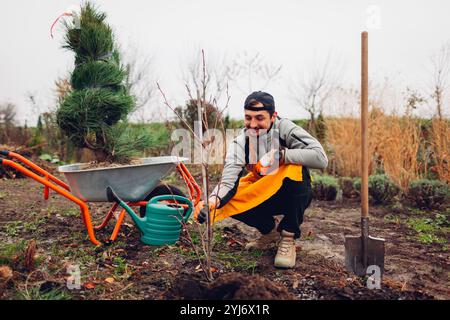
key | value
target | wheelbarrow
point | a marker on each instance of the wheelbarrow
(131, 183)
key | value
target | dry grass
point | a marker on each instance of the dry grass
(440, 144)
(343, 138)
(398, 147)
(393, 146)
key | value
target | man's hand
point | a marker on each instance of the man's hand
(200, 210)
(266, 164)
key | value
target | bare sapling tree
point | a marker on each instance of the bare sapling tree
(214, 79)
(204, 143)
(255, 71)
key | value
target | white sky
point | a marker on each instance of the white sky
(291, 33)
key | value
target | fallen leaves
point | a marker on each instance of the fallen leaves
(89, 285)
(199, 268)
(109, 280)
(6, 273)
(214, 270)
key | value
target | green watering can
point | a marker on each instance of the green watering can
(161, 224)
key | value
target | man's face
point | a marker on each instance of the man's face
(258, 120)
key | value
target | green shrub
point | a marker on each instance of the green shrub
(428, 194)
(382, 189)
(347, 185)
(325, 187)
(357, 186)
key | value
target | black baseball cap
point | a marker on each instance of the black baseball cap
(264, 98)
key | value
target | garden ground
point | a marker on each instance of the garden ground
(417, 255)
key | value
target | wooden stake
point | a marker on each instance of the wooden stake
(364, 126)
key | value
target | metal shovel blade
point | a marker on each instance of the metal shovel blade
(362, 252)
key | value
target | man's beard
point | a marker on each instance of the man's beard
(257, 131)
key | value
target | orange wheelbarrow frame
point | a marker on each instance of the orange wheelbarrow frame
(51, 182)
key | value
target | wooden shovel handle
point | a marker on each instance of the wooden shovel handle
(364, 125)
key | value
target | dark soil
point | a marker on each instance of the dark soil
(231, 286)
(106, 164)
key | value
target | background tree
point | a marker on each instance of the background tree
(189, 114)
(440, 62)
(312, 90)
(140, 81)
(7, 119)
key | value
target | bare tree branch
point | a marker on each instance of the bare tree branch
(440, 72)
(312, 89)
(140, 79)
(254, 69)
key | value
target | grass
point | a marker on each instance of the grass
(36, 293)
(244, 261)
(396, 140)
(430, 238)
(84, 256)
(14, 228)
(429, 230)
(10, 251)
(120, 266)
(393, 218)
(33, 225)
(72, 212)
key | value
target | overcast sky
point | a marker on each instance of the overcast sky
(291, 33)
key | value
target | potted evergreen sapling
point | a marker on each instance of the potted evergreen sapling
(94, 114)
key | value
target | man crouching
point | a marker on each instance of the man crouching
(277, 154)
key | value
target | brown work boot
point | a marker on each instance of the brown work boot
(286, 253)
(265, 241)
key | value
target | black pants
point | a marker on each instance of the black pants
(291, 200)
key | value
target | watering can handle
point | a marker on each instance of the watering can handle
(112, 196)
(180, 199)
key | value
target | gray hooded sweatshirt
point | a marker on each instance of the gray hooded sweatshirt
(300, 148)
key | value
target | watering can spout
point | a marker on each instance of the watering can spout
(140, 222)
(113, 197)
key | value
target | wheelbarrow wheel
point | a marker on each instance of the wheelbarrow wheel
(161, 190)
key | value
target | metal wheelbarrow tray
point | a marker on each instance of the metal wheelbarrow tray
(130, 182)
(133, 183)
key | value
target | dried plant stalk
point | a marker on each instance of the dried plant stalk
(440, 136)
(398, 148)
(394, 144)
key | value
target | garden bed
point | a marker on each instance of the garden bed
(417, 267)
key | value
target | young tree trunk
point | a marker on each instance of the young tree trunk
(85, 155)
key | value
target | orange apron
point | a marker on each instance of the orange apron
(254, 190)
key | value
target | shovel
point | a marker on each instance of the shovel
(364, 251)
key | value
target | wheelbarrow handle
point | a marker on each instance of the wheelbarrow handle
(181, 199)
